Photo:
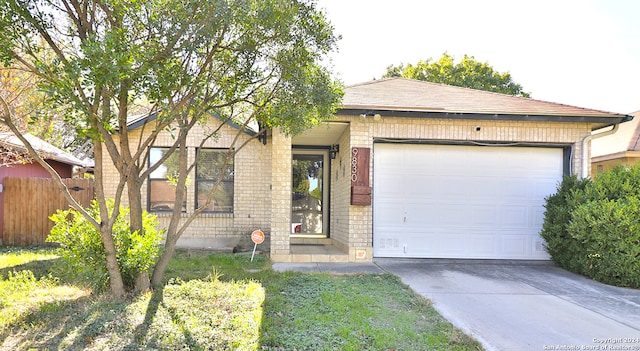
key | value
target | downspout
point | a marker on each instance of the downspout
(586, 140)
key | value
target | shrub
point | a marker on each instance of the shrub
(593, 227)
(559, 208)
(617, 183)
(609, 233)
(83, 253)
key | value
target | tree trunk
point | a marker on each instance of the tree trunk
(106, 229)
(135, 202)
(172, 231)
(115, 278)
(163, 262)
(142, 282)
(135, 224)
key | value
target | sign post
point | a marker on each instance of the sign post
(258, 238)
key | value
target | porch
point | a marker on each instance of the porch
(316, 251)
(311, 212)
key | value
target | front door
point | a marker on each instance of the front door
(309, 193)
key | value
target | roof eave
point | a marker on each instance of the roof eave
(616, 155)
(597, 121)
(142, 121)
(61, 156)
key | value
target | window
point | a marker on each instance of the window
(162, 189)
(209, 169)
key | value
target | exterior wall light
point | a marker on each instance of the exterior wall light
(376, 116)
(333, 151)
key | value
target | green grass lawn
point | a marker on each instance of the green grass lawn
(217, 302)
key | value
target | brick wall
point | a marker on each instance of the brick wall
(341, 193)
(252, 195)
(281, 196)
(262, 195)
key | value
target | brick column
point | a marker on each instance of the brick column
(360, 243)
(280, 196)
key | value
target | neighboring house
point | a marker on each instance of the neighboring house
(406, 169)
(17, 163)
(619, 148)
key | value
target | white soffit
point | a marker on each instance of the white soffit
(322, 135)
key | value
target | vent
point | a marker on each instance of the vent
(389, 243)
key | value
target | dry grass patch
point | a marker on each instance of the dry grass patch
(224, 302)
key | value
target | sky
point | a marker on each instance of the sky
(584, 53)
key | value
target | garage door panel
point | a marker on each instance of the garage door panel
(394, 214)
(456, 244)
(514, 245)
(544, 187)
(469, 202)
(391, 156)
(445, 215)
(388, 245)
(489, 189)
(537, 217)
(482, 216)
(515, 189)
(388, 194)
(451, 215)
(420, 185)
(515, 217)
(483, 246)
(448, 244)
(445, 158)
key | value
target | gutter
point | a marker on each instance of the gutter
(600, 121)
(586, 160)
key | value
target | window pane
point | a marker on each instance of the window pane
(222, 197)
(307, 194)
(162, 193)
(162, 196)
(209, 169)
(170, 166)
(210, 162)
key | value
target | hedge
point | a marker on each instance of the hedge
(593, 227)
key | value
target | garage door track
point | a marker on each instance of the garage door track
(519, 305)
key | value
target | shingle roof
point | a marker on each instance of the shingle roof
(48, 151)
(400, 94)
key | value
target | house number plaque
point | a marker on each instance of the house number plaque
(360, 189)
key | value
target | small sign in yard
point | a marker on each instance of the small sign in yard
(257, 236)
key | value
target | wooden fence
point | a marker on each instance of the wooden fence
(28, 203)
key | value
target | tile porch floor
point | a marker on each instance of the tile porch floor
(317, 253)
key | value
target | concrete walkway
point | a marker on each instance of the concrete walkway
(516, 305)
(338, 268)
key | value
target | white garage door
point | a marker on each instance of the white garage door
(452, 201)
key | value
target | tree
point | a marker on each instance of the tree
(467, 73)
(20, 91)
(240, 61)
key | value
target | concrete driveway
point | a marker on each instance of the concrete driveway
(525, 305)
